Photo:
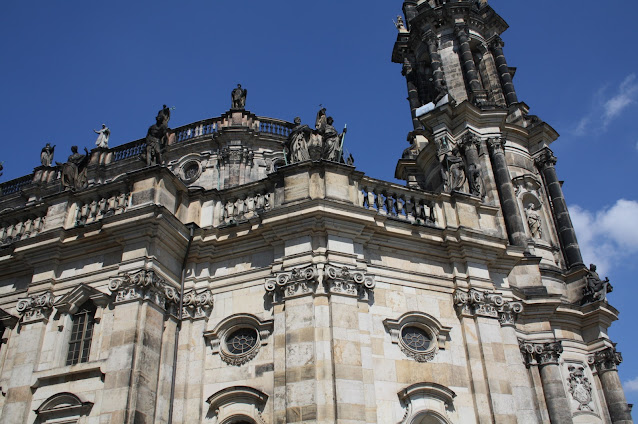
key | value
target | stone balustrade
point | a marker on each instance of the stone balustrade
(128, 150)
(21, 229)
(197, 129)
(101, 207)
(243, 208)
(16, 185)
(397, 202)
(274, 126)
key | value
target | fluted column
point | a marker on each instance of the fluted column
(467, 60)
(438, 76)
(511, 212)
(409, 72)
(606, 362)
(496, 46)
(546, 164)
(546, 356)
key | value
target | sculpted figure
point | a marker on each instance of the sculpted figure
(331, 141)
(103, 137)
(474, 180)
(534, 221)
(453, 171)
(157, 137)
(46, 156)
(74, 170)
(321, 121)
(238, 97)
(298, 142)
(595, 289)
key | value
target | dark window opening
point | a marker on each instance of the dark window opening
(81, 334)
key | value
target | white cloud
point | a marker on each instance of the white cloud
(605, 109)
(631, 385)
(607, 236)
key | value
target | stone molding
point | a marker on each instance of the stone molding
(237, 401)
(219, 335)
(36, 308)
(144, 285)
(607, 359)
(545, 159)
(339, 280)
(434, 398)
(197, 305)
(72, 300)
(486, 304)
(67, 403)
(437, 332)
(348, 281)
(543, 353)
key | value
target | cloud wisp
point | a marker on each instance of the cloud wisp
(631, 385)
(604, 110)
(608, 236)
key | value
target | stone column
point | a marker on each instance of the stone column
(467, 61)
(511, 212)
(546, 356)
(606, 362)
(438, 76)
(545, 163)
(496, 45)
(409, 72)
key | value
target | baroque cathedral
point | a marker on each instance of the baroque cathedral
(240, 269)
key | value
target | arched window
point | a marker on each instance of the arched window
(81, 334)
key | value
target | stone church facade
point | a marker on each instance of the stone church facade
(241, 270)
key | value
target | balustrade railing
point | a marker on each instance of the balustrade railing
(14, 186)
(20, 230)
(197, 129)
(275, 127)
(245, 207)
(397, 202)
(129, 150)
(102, 207)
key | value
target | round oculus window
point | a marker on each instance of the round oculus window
(416, 338)
(241, 341)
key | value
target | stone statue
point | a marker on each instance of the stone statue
(103, 137)
(595, 289)
(74, 170)
(46, 156)
(474, 180)
(321, 121)
(157, 137)
(331, 142)
(399, 23)
(298, 142)
(534, 221)
(238, 97)
(453, 171)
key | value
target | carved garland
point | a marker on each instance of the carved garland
(146, 285)
(35, 307)
(483, 303)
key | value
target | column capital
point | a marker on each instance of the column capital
(607, 359)
(460, 30)
(487, 304)
(296, 282)
(144, 284)
(36, 307)
(496, 42)
(197, 304)
(544, 353)
(432, 40)
(470, 140)
(496, 144)
(545, 159)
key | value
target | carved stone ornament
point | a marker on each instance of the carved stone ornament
(36, 307)
(298, 282)
(540, 353)
(418, 335)
(197, 305)
(606, 360)
(144, 285)
(344, 280)
(496, 144)
(230, 404)
(545, 160)
(482, 303)
(580, 387)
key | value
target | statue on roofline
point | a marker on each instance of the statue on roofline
(74, 170)
(157, 137)
(46, 155)
(595, 288)
(103, 137)
(238, 97)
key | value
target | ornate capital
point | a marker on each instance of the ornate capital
(545, 160)
(607, 359)
(144, 285)
(496, 144)
(298, 282)
(197, 305)
(36, 307)
(470, 140)
(496, 42)
(348, 281)
(540, 353)
(432, 41)
(486, 304)
(461, 32)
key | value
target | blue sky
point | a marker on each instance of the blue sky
(67, 67)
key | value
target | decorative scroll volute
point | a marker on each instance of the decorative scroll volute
(35, 308)
(491, 305)
(197, 305)
(298, 282)
(145, 285)
(540, 353)
(347, 281)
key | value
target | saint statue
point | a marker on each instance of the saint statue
(238, 97)
(321, 121)
(595, 289)
(103, 137)
(157, 137)
(453, 171)
(331, 141)
(298, 142)
(74, 170)
(534, 221)
(46, 156)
